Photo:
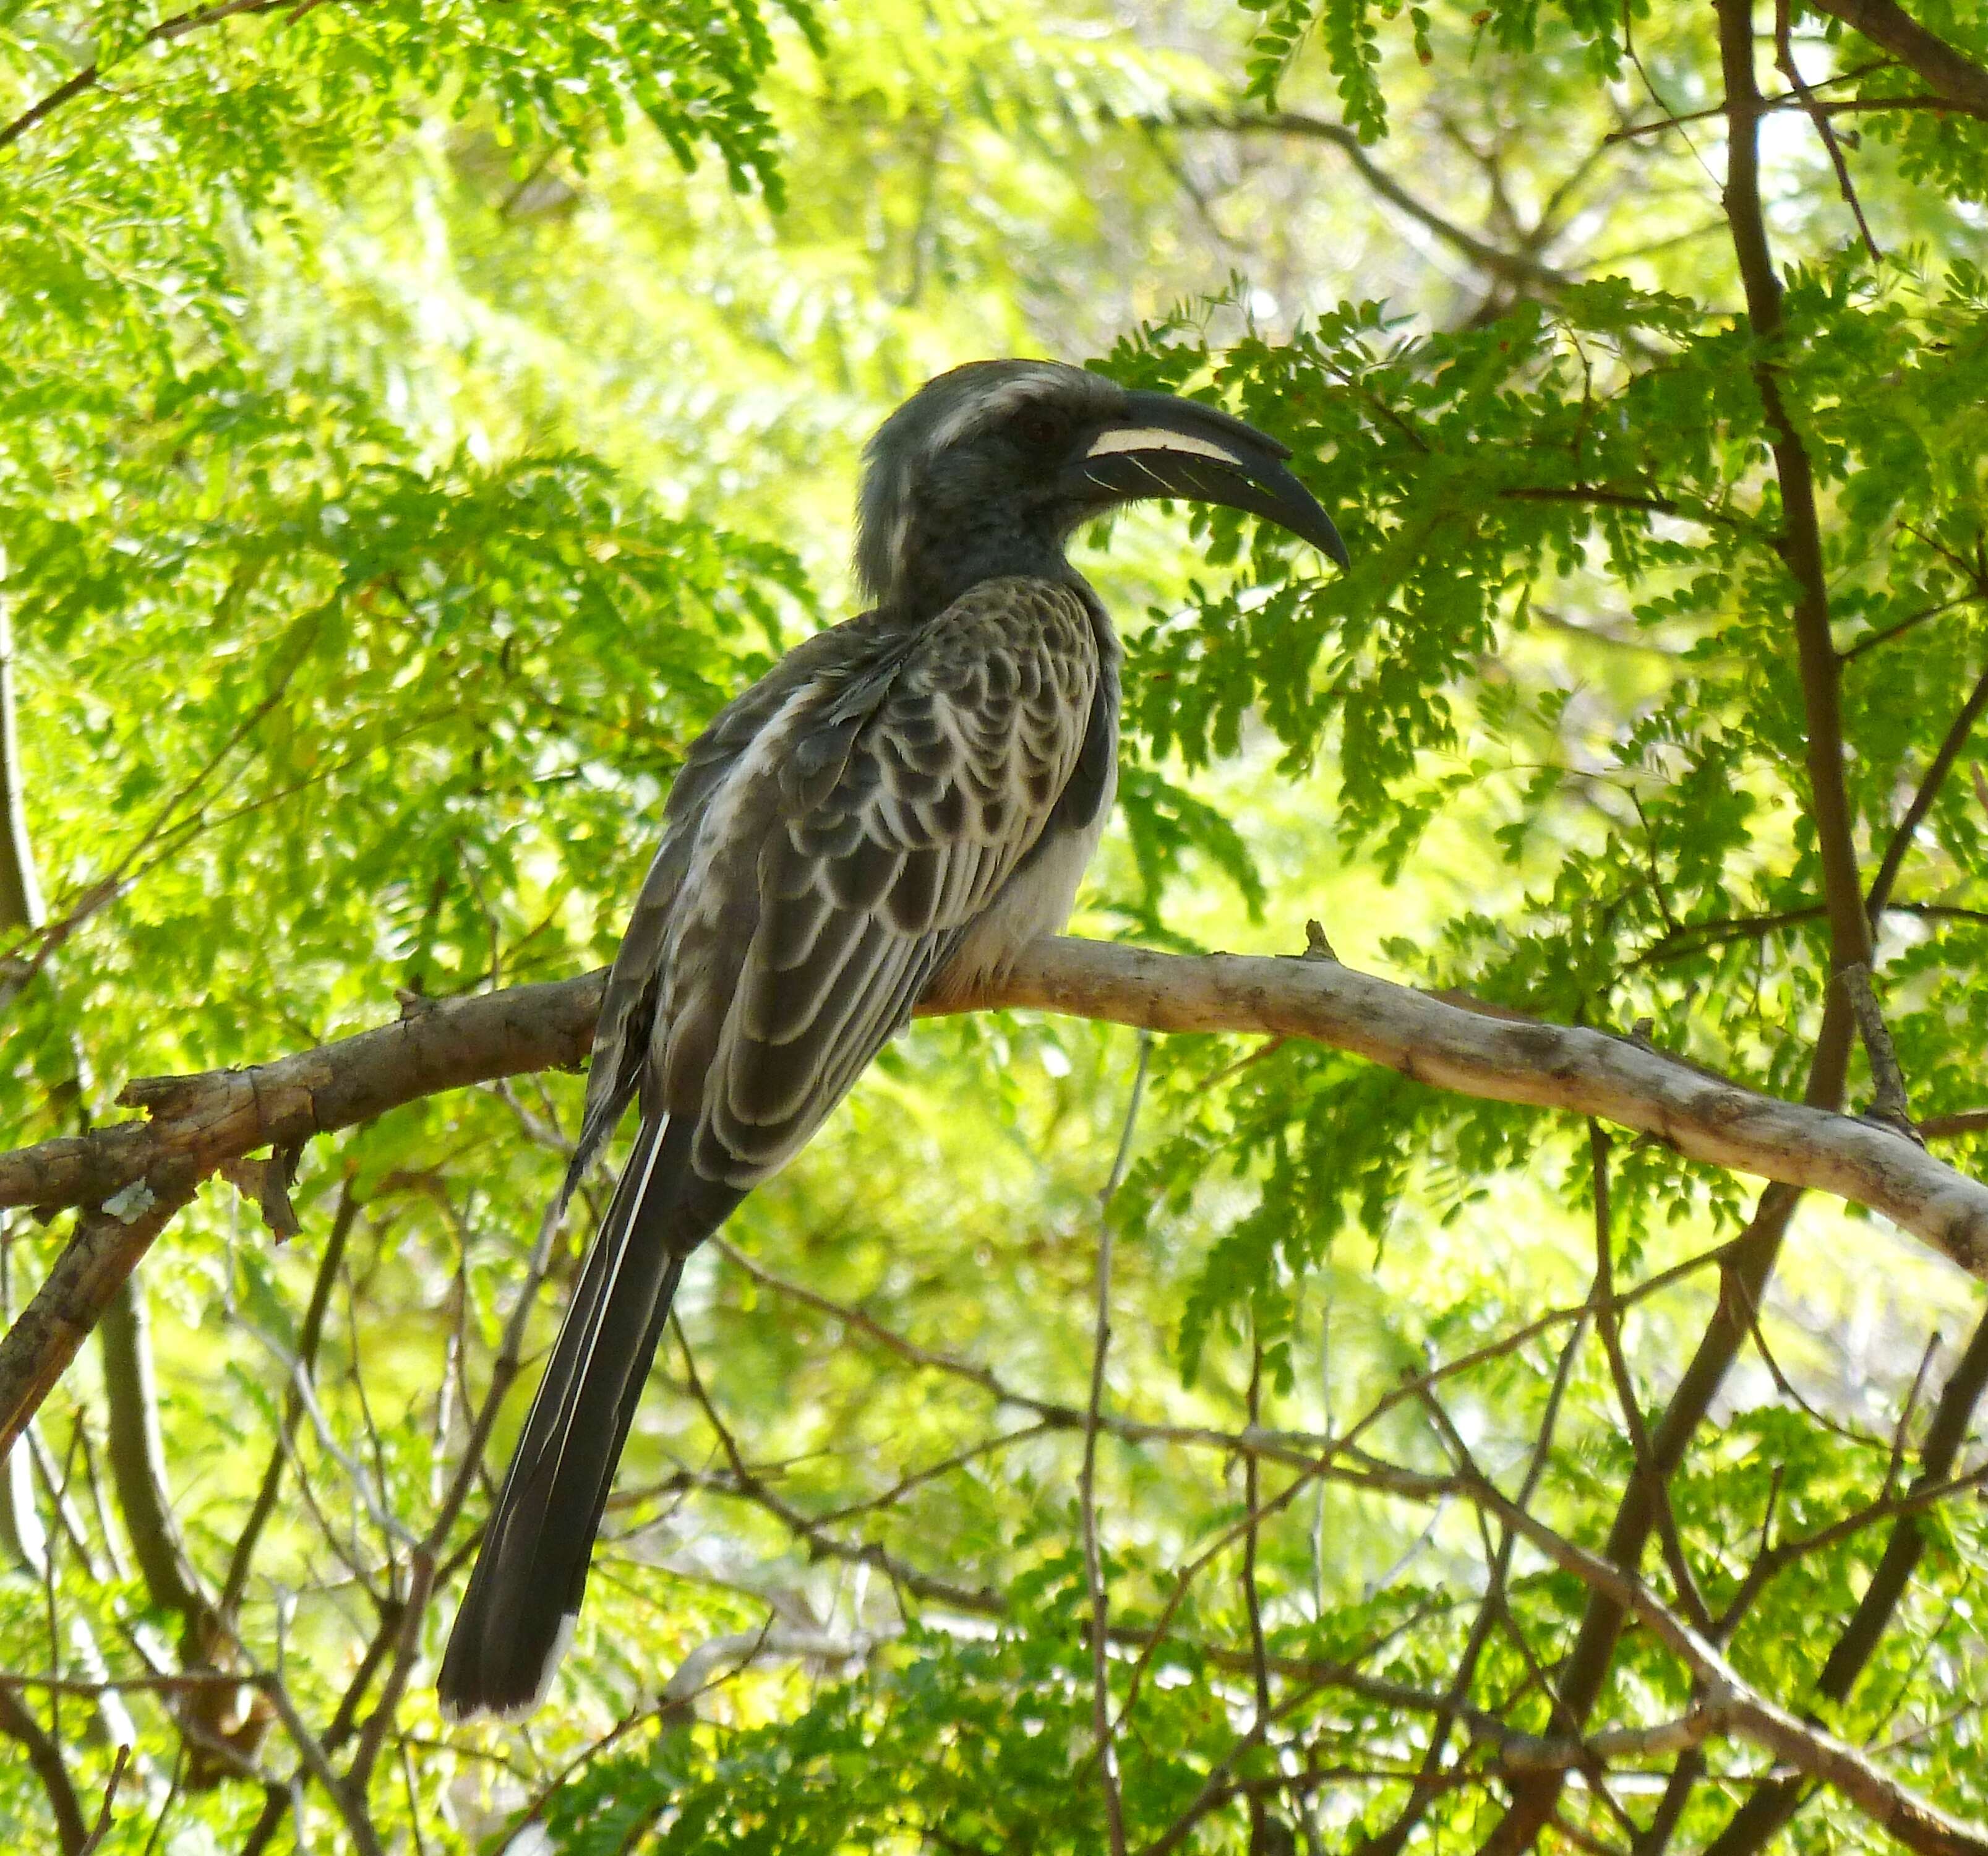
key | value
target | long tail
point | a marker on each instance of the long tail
(519, 1612)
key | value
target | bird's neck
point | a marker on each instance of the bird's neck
(931, 571)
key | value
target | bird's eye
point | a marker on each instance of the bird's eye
(1039, 429)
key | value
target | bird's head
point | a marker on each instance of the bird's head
(988, 469)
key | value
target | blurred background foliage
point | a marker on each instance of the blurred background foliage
(417, 419)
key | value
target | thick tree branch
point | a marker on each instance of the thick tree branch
(132, 1177)
(1948, 70)
(1752, 1261)
(138, 1471)
(1764, 1814)
(44, 1756)
(198, 1123)
(201, 1121)
(1521, 1061)
(103, 1250)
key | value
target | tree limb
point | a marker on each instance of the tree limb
(1729, 1706)
(1928, 790)
(44, 1756)
(91, 75)
(1521, 1061)
(1914, 1821)
(131, 1177)
(1945, 1127)
(1800, 546)
(1800, 543)
(138, 1471)
(103, 1250)
(1948, 70)
(1764, 1814)
(1751, 1262)
(198, 1123)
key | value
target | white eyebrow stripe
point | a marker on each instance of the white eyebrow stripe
(989, 409)
(1158, 437)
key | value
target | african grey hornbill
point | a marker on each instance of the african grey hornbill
(890, 814)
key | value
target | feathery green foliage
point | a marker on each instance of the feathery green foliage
(416, 420)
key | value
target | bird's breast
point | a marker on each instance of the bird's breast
(1037, 898)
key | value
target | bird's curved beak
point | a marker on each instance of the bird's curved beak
(1162, 446)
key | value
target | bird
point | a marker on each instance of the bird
(889, 815)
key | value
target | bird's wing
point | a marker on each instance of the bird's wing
(623, 1033)
(876, 819)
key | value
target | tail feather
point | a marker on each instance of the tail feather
(524, 1594)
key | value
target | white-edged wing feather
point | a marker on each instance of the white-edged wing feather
(873, 819)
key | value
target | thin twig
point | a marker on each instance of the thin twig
(1941, 765)
(1872, 641)
(1251, 1598)
(1889, 1103)
(311, 1750)
(1787, 100)
(1515, 268)
(1608, 1322)
(1901, 1432)
(95, 1840)
(309, 1337)
(1784, 62)
(1094, 1567)
(372, 1734)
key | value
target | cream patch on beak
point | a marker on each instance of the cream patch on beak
(1157, 438)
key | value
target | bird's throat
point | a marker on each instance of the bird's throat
(935, 564)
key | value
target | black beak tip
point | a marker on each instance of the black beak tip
(1325, 538)
(1303, 514)
(1295, 508)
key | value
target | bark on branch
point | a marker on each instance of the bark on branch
(1750, 1265)
(46, 1757)
(130, 1177)
(1944, 67)
(1916, 1821)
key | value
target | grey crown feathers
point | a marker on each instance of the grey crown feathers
(890, 814)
